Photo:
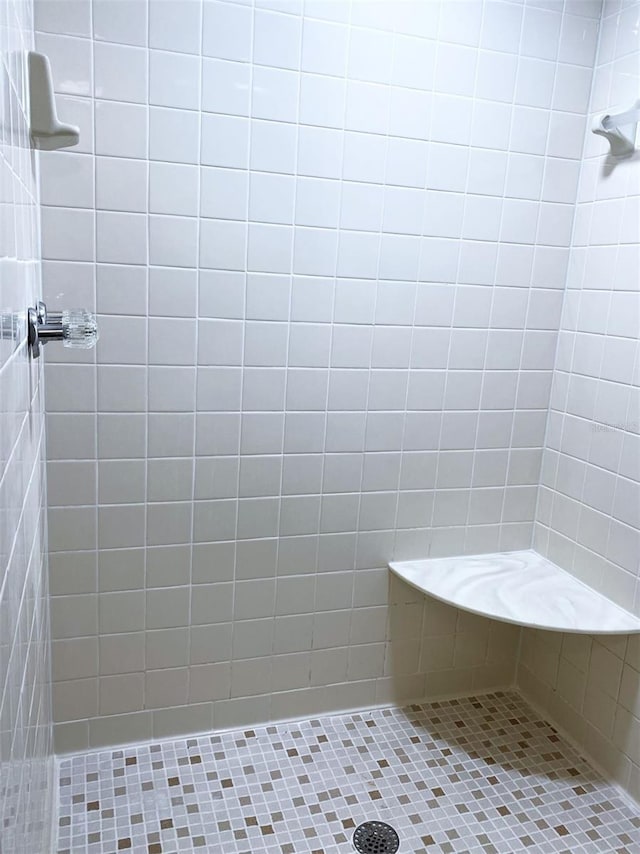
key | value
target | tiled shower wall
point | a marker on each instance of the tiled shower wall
(327, 243)
(26, 734)
(589, 512)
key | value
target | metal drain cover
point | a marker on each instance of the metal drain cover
(375, 837)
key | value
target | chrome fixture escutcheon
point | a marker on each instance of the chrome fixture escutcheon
(75, 327)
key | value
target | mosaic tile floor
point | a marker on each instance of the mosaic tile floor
(475, 775)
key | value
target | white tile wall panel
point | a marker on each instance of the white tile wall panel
(26, 733)
(359, 215)
(588, 514)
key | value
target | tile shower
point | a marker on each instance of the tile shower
(367, 290)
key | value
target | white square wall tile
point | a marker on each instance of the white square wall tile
(121, 238)
(324, 47)
(68, 234)
(270, 248)
(223, 244)
(317, 202)
(63, 17)
(225, 141)
(274, 94)
(226, 30)
(271, 198)
(225, 87)
(174, 25)
(223, 193)
(174, 80)
(173, 241)
(315, 251)
(173, 135)
(121, 129)
(121, 22)
(110, 83)
(276, 39)
(319, 152)
(121, 184)
(173, 189)
(66, 180)
(322, 101)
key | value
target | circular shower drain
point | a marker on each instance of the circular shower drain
(375, 837)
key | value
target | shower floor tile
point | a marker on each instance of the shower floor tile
(481, 774)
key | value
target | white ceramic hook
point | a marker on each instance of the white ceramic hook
(47, 131)
(610, 128)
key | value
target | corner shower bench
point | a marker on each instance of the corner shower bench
(520, 587)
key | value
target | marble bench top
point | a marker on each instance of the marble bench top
(518, 587)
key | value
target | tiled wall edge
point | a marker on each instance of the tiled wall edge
(27, 769)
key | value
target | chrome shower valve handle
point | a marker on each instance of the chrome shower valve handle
(75, 327)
